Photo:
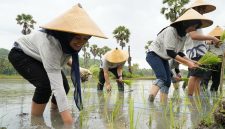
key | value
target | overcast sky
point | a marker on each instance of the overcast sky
(141, 17)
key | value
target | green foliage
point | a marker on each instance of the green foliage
(174, 9)
(94, 70)
(222, 37)
(26, 20)
(122, 34)
(4, 52)
(209, 59)
(127, 82)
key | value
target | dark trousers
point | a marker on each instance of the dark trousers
(101, 78)
(33, 71)
(215, 76)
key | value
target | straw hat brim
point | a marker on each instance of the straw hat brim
(191, 14)
(76, 21)
(203, 4)
(116, 56)
(207, 7)
(216, 32)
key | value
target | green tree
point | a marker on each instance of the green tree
(26, 21)
(94, 50)
(105, 49)
(174, 9)
(84, 49)
(122, 35)
(100, 53)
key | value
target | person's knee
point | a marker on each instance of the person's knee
(42, 95)
(159, 82)
(164, 89)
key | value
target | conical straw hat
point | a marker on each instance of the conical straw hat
(77, 21)
(191, 14)
(116, 56)
(202, 4)
(216, 32)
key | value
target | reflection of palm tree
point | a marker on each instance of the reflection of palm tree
(27, 22)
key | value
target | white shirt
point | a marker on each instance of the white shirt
(168, 39)
(47, 50)
(195, 48)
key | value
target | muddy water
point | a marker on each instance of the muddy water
(106, 110)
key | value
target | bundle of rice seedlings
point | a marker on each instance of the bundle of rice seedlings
(222, 37)
(185, 80)
(127, 82)
(209, 59)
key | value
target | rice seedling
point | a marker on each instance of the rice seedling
(222, 37)
(131, 113)
(127, 82)
(209, 59)
(185, 80)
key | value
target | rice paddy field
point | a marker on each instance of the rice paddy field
(116, 110)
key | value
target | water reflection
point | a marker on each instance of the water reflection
(107, 110)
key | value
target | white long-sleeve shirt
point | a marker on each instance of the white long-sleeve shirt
(47, 50)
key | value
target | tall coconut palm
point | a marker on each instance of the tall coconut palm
(94, 50)
(174, 9)
(100, 53)
(84, 49)
(27, 22)
(122, 35)
(105, 49)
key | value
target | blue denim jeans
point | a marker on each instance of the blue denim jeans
(161, 70)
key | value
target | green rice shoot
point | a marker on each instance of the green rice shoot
(209, 59)
(185, 79)
(127, 82)
(222, 37)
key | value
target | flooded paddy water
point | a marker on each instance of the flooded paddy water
(128, 110)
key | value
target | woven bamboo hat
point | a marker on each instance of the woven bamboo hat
(75, 20)
(191, 14)
(204, 5)
(216, 32)
(116, 56)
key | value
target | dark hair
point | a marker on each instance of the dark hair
(182, 26)
(64, 39)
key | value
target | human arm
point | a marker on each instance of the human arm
(69, 62)
(51, 58)
(107, 81)
(120, 72)
(181, 58)
(198, 36)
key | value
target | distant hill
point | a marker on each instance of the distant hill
(4, 52)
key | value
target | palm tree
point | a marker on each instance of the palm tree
(122, 35)
(84, 49)
(147, 45)
(26, 21)
(105, 49)
(174, 9)
(94, 51)
(100, 53)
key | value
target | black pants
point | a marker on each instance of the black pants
(215, 76)
(101, 78)
(33, 71)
